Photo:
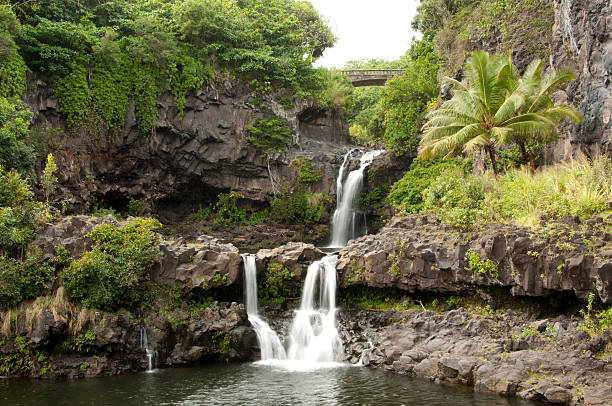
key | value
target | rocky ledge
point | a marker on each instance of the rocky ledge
(417, 253)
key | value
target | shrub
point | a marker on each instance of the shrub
(107, 277)
(23, 279)
(15, 153)
(407, 193)
(19, 214)
(269, 134)
(300, 207)
(272, 285)
(480, 266)
(458, 199)
(306, 174)
(228, 212)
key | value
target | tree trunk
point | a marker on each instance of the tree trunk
(491, 152)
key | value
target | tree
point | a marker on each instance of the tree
(496, 108)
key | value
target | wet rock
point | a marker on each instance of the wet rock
(295, 256)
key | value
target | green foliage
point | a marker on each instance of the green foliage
(299, 207)
(101, 54)
(108, 276)
(135, 207)
(19, 361)
(495, 109)
(269, 134)
(375, 197)
(407, 193)
(394, 269)
(101, 212)
(73, 94)
(20, 216)
(48, 180)
(12, 73)
(595, 322)
(203, 213)
(23, 279)
(53, 46)
(405, 98)
(577, 188)
(480, 266)
(228, 212)
(15, 153)
(306, 173)
(457, 198)
(272, 286)
(459, 26)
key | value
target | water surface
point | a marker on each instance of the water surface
(247, 384)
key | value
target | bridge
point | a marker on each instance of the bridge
(370, 77)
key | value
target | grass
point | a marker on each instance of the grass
(580, 187)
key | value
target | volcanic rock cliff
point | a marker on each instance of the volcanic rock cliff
(187, 159)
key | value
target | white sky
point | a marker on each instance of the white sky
(367, 29)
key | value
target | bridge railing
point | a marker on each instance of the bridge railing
(372, 72)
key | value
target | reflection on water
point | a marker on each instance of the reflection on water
(246, 384)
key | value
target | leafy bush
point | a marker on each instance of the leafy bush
(306, 173)
(458, 198)
(108, 276)
(269, 134)
(299, 207)
(15, 153)
(272, 285)
(480, 266)
(23, 279)
(19, 214)
(228, 212)
(405, 98)
(407, 193)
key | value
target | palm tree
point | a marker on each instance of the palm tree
(536, 117)
(496, 108)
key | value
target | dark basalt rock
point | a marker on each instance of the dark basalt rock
(187, 159)
(431, 257)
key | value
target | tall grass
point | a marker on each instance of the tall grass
(580, 187)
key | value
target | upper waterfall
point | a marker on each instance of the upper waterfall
(348, 223)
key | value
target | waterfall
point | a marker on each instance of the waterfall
(313, 336)
(151, 353)
(566, 8)
(269, 343)
(346, 219)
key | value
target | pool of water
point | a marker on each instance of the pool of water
(247, 384)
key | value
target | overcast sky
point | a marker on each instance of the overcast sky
(367, 29)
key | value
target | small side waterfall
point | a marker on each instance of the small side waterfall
(151, 353)
(347, 222)
(269, 343)
(313, 336)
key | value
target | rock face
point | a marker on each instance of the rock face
(94, 343)
(295, 256)
(203, 264)
(505, 353)
(186, 159)
(417, 253)
(582, 41)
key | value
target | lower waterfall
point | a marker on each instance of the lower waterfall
(313, 338)
(269, 343)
